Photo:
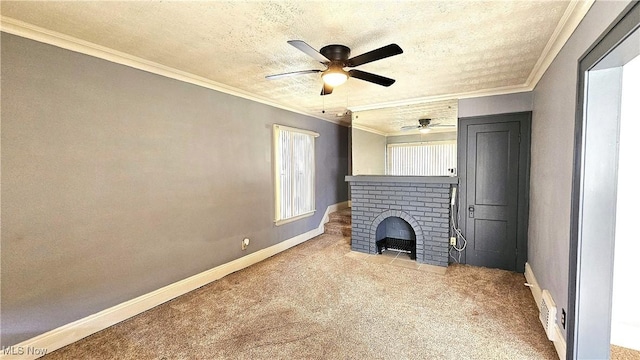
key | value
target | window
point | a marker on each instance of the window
(294, 164)
(422, 159)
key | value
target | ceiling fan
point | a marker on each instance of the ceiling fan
(425, 126)
(335, 58)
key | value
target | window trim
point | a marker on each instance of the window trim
(276, 176)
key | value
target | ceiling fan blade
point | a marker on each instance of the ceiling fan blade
(441, 125)
(411, 127)
(307, 49)
(376, 79)
(326, 90)
(373, 55)
(302, 72)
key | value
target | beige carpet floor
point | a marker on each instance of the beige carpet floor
(620, 353)
(315, 302)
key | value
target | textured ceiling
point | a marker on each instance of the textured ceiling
(450, 47)
(390, 120)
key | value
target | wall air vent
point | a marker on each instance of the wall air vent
(548, 314)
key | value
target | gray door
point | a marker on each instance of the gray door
(494, 184)
(492, 195)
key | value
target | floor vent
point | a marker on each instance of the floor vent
(548, 314)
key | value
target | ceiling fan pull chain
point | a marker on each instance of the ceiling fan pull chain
(348, 88)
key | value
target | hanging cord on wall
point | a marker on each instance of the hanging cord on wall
(456, 231)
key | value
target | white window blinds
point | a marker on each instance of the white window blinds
(295, 173)
(422, 159)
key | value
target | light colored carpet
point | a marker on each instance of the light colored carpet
(314, 302)
(620, 353)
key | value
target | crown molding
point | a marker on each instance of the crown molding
(36, 33)
(463, 95)
(573, 15)
(368, 129)
(397, 133)
(416, 132)
(571, 18)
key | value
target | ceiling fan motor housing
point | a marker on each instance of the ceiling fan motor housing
(424, 122)
(336, 53)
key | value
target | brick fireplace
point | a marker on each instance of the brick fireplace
(421, 202)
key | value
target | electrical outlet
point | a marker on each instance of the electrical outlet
(452, 240)
(245, 243)
(563, 318)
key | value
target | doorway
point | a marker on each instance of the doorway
(595, 192)
(494, 184)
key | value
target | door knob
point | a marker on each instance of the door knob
(471, 210)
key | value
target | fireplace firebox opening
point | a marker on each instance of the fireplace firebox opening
(394, 233)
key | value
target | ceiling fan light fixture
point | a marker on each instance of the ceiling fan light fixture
(334, 77)
(424, 130)
(336, 57)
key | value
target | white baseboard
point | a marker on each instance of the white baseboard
(535, 288)
(72, 332)
(559, 343)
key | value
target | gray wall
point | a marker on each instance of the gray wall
(554, 111)
(369, 152)
(497, 104)
(116, 182)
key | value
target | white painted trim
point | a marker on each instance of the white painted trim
(399, 133)
(36, 33)
(570, 20)
(421, 143)
(29, 31)
(560, 344)
(368, 129)
(292, 219)
(417, 132)
(464, 95)
(277, 159)
(533, 284)
(69, 333)
(297, 130)
(573, 15)
(576, 10)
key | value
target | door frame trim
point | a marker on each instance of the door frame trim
(621, 28)
(524, 118)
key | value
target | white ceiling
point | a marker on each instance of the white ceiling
(389, 120)
(452, 49)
